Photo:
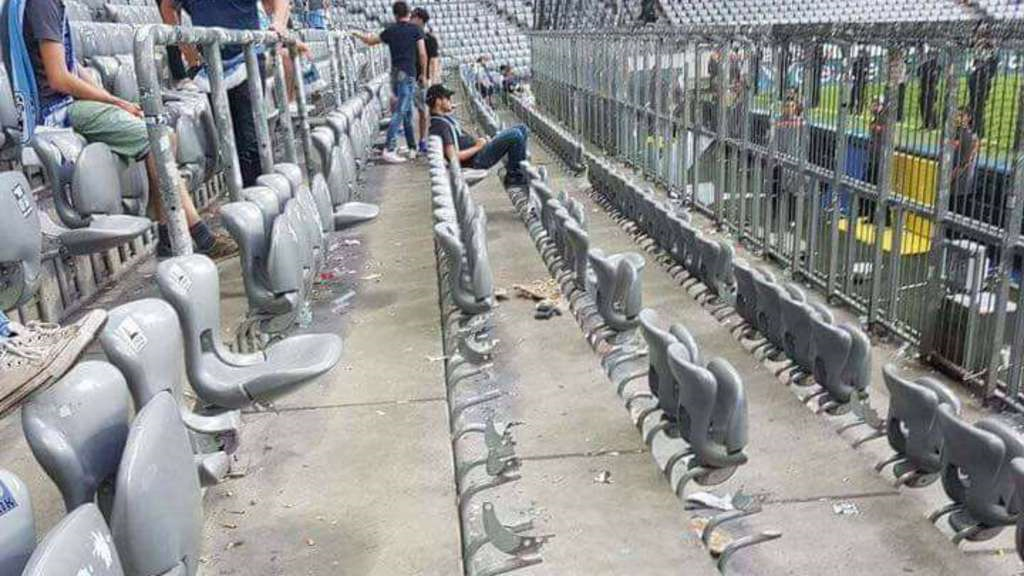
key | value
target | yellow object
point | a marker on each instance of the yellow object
(916, 238)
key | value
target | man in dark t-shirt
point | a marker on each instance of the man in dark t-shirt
(472, 152)
(420, 17)
(407, 47)
(965, 155)
(69, 98)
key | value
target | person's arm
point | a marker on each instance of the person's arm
(64, 81)
(468, 153)
(278, 11)
(366, 37)
(170, 14)
(421, 47)
(435, 70)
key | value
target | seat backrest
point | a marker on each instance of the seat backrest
(77, 429)
(157, 519)
(17, 524)
(20, 241)
(143, 339)
(913, 415)
(729, 418)
(746, 292)
(96, 182)
(321, 192)
(578, 244)
(191, 286)
(80, 545)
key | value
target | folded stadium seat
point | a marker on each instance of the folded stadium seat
(345, 213)
(17, 524)
(79, 545)
(712, 417)
(660, 378)
(913, 428)
(468, 268)
(192, 287)
(20, 241)
(306, 208)
(143, 339)
(842, 363)
(86, 183)
(797, 319)
(77, 431)
(617, 287)
(977, 475)
(745, 303)
(157, 518)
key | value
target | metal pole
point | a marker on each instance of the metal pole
(303, 109)
(159, 133)
(259, 109)
(284, 118)
(222, 116)
(839, 173)
(883, 187)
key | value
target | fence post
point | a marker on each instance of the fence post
(883, 189)
(839, 172)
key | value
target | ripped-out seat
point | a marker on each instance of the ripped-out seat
(715, 268)
(617, 287)
(227, 379)
(87, 194)
(17, 524)
(143, 339)
(77, 430)
(977, 475)
(662, 382)
(769, 313)
(80, 544)
(469, 268)
(912, 427)
(842, 364)
(20, 241)
(157, 518)
(712, 417)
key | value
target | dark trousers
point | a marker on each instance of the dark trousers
(245, 133)
(510, 144)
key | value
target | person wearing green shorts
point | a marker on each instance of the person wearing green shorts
(68, 98)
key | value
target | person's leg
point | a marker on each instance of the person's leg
(244, 127)
(405, 106)
(510, 142)
(396, 117)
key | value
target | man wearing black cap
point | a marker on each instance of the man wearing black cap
(473, 152)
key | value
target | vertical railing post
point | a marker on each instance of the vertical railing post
(259, 108)
(284, 116)
(839, 171)
(303, 109)
(720, 107)
(222, 116)
(884, 186)
(803, 158)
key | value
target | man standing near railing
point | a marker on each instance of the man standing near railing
(407, 46)
(420, 17)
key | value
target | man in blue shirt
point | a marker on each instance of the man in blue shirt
(236, 15)
(407, 46)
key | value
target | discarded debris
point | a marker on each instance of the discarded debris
(845, 509)
(500, 294)
(709, 500)
(719, 538)
(546, 309)
(538, 290)
(228, 525)
(234, 544)
(603, 477)
(341, 303)
(310, 542)
(371, 277)
(351, 242)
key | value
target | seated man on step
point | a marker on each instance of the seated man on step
(481, 153)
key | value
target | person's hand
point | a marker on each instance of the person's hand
(129, 107)
(302, 47)
(481, 142)
(422, 80)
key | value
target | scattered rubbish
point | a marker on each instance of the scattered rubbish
(538, 290)
(229, 525)
(234, 544)
(326, 276)
(371, 277)
(604, 477)
(546, 309)
(709, 500)
(433, 359)
(845, 509)
(719, 538)
(310, 542)
(341, 303)
(351, 242)
(500, 294)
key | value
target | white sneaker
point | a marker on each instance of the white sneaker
(391, 157)
(410, 154)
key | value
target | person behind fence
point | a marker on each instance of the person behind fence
(420, 17)
(407, 46)
(965, 155)
(481, 153)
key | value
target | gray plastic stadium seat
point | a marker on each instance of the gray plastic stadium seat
(712, 414)
(346, 212)
(659, 376)
(912, 427)
(769, 313)
(157, 519)
(617, 287)
(233, 380)
(977, 474)
(80, 545)
(87, 193)
(77, 430)
(143, 339)
(842, 363)
(269, 251)
(715, 268)
(20, 241)
(798, 317)
(746, 292)
(472, 285)
(17, 524)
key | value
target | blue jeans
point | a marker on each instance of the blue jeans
(404, 89)
(510, 142)
(5, 332)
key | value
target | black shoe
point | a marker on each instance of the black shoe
(515, 181)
